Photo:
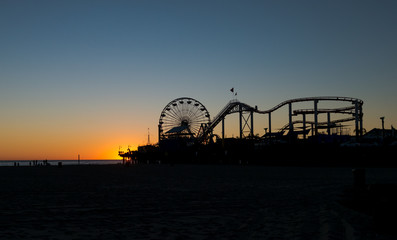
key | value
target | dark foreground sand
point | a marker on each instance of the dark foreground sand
(181, 202)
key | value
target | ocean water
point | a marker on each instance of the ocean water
(55, 162)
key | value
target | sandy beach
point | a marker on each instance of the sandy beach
(182, 202)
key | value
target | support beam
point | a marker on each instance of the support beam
(361, 120)
(356, 118)
(329, 123)
(223, 128)
(291, 126)
(270, 123)
(315, 117)
(304, 126)
(252, 124)
(241, 122)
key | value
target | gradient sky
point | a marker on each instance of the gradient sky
(85, 77)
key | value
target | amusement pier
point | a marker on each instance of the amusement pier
(315, 132)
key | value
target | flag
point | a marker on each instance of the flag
(232, 90)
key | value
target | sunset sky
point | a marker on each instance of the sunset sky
(85, 77)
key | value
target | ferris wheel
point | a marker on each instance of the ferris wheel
(182, 117)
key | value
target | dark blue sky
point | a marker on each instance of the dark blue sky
(114, 65)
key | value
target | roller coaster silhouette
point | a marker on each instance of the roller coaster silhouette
(188, 119)
(186, 133)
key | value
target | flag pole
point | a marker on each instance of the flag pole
(232, 90)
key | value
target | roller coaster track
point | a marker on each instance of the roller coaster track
(235, 106)
(344, 110)
(345, 99)
(231, 107)
(286, 126)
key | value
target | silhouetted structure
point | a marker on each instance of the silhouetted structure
(186, 134)
(189, 119)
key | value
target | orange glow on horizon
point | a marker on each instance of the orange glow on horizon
(103, 138)
(90, 146)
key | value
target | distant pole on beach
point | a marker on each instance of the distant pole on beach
(148, 137)
(78, 159)
(383, 127)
